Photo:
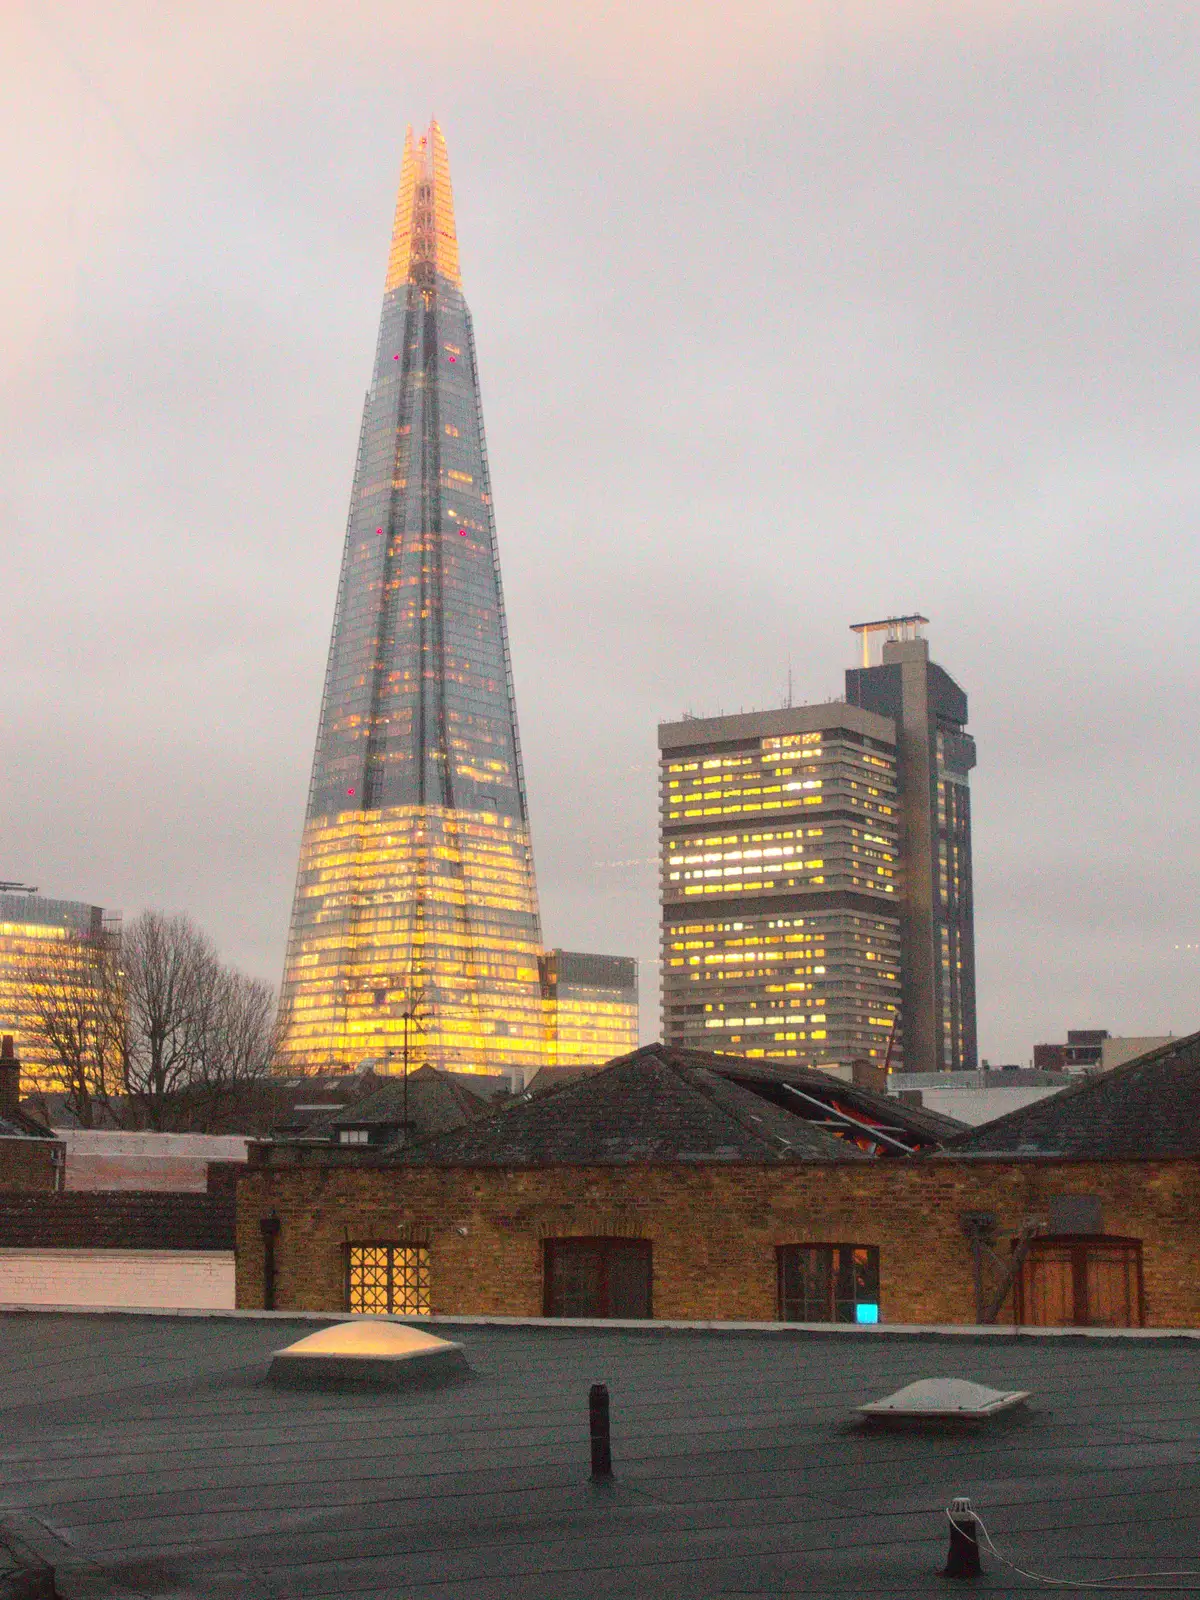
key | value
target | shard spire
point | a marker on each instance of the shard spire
(415, 889)
(424, 237)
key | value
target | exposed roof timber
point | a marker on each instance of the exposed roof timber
(849, 1121)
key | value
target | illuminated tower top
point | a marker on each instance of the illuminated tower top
(424, 241)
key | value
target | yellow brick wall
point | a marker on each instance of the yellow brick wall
(714, 1228)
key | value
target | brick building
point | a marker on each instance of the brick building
(684, 1186)
(126, 1248)
(30, 1156)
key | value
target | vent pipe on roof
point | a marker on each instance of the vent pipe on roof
(962, 1560)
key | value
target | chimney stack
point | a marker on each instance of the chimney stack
(10, 1078)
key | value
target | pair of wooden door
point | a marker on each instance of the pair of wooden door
(1081, 1281)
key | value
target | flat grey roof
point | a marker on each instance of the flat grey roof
(151, 1450)
(767, 724)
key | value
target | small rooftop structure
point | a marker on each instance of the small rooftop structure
(430, 1102)
(15, 1122)
(895, 628)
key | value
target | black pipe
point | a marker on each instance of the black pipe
(270, 1232)
(598, 1425)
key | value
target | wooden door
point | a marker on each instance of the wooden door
(1081, 1281)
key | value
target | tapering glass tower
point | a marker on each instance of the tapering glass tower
(415, 888)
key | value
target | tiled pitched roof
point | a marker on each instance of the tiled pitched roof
(642, 1107)
(1149, 1108)
(436, 1103)
(547, 1078)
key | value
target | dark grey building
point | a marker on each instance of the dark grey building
(935, 757)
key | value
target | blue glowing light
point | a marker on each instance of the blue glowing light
(866, 1313)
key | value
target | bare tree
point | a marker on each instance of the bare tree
(153, 1026)
(238, 1050)
(168, 972)
(72, 990)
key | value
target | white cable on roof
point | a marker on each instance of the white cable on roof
(1085, 1583)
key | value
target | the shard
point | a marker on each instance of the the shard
(415, 910)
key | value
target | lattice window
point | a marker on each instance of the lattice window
(388, 1278)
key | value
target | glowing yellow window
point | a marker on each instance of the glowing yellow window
(386, 1279)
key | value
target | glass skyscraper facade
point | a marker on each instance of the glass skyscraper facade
(592, 1007)
(415, 891)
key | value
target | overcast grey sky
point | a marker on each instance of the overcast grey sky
(788, 314)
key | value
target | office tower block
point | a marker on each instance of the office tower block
(415, 890)
(816, 873)
(780, 900)
(592, 1005)
(936, 755)
(45, 969)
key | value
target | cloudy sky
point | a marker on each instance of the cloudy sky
(789, 312)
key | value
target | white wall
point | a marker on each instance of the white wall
(100, 1158)
(195, 1279)
(975, 1106)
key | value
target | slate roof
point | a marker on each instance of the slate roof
(1147, 1109)
(644, 1107)
(552, 1077)
(20, 1124)
(23, 1127)
(436, 1103)
(148, 1457)
(117, 1220)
